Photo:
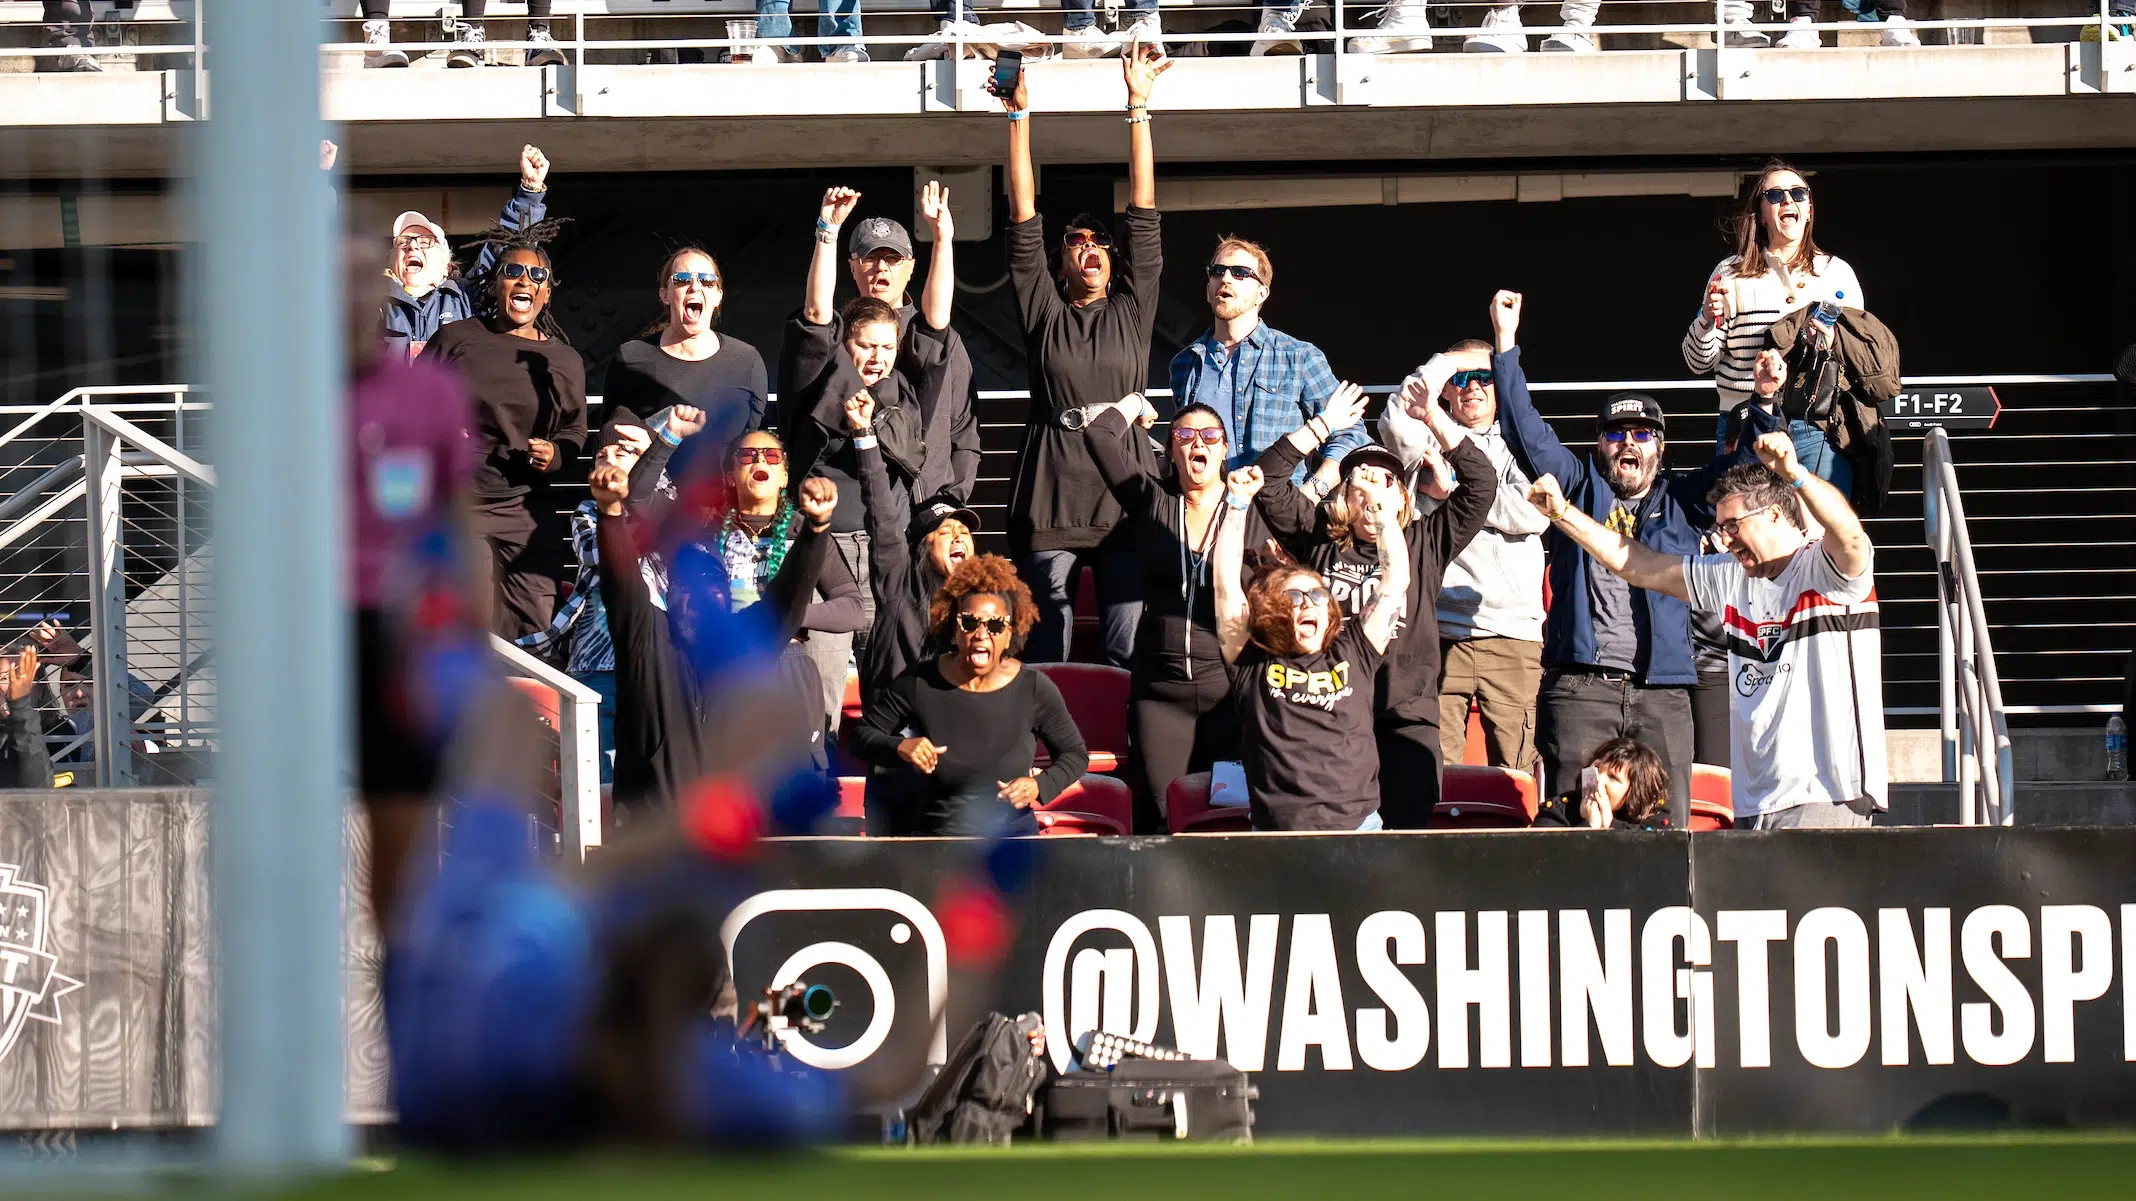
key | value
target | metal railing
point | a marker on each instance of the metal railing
(1976, 734)
(179, 24)
(104, 509)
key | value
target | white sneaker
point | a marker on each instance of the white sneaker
(1896, 33)
(1404, 28)
(1499, 17)
(1278, 27)
(468, 40)
(848, 54)
(940, 46)
(543, 53)
(1145, 30)
(379, 34)
(1568, 41)
(1088, 42)
(1799, 38)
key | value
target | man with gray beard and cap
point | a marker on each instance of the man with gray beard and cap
(1616, 659)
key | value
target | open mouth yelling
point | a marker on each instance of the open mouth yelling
(759, 476)
(693, 310)
(979, 655)
(1308, 623)
(956, 556)
(1201, 461)
(519, 302)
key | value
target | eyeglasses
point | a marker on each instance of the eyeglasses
(683, 279)
(770, 456)
(1234, 270)
(527, 271)
(1301, 597)
(1462, 379)
(415, 241)
(1642, 435)
(1774, 196)
(970, 623)
(1730, 528)
(1086, 237)
(1208, 435)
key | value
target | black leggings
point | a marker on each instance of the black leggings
(1175, 727)
(473, 9)
(1808, 8)
(1408, 772)
(1709, 717)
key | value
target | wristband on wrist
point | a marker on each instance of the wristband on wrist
(1800, 478)
(668, 436)
(1236, 501)
(1019, 114)
(525, 186)
(825, 227)
(865, 441)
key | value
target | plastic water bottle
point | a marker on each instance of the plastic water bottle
(2117, 748)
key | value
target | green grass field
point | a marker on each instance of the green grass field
(2002, 1168)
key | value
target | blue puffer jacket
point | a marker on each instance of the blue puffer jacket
(416, 319)
(1671, 517)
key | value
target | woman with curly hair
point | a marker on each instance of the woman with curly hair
(529, 388)
(964, 725)
(1301, 676)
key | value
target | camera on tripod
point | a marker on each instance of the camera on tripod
(798, 1006)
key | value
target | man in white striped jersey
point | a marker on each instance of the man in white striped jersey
(1799, 616)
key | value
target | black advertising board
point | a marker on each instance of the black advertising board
(1960, 407)
(1519, 982)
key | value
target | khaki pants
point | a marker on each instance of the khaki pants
(1502, 675)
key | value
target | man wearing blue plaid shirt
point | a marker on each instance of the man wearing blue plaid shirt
(1261, 381)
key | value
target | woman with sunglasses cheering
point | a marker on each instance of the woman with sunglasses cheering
(1087, 338)
(964, 726)
(1776, 270)
(681, 360)
(1180, 718)
(1340, 540)
(429, 291)
(529, 388)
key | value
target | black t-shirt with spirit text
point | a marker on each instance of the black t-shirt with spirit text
(1305, 722)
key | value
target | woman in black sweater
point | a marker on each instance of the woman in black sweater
(1181, 719)
(681, 360)
(529, 389)
(967, 723)
(1341, 548)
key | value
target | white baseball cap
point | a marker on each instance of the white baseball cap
(411, 217)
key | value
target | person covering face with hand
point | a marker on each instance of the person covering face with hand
(1801, 622)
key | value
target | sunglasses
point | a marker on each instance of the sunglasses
(415, 241)
(1301, 597)
(526, 271)
(1234, 270)
(1462, 379)
(1728, 529)
(1774, 196)
(770, 456)
(1208, 435)
(970, 623)
(683, 279)
(1085, 237)
(1641, 435)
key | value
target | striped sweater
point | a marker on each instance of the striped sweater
(1729, 351)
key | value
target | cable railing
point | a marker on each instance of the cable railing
(635, 32)
(1975, 730)
(106, 527)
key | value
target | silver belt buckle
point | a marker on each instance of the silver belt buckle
(1074, 419)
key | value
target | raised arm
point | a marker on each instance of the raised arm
(889, 557)
(526, 206)
(1534, 447)
(1140, 67)
(1402, 425)
(790, 590)
(1763, 416)
(24, 732)
(1288, 511)
(1384, 614)
(1021, 180)
(941, 289)
(1639, 565)
(1846, 543)
(816, 306)
(1320, 387)
(1230, 566)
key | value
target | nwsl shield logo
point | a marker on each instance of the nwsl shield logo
(30, 982)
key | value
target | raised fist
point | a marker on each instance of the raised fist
(1770, 374)
(819, 497)
(860, 410)
(1505, 318)
(1777, 451)
(837, 205)
(533, 167)
(1245, 483)
(610, 485)
(1546, 496)
(686, 420)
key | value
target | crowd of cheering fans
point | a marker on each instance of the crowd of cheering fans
(1301, 598)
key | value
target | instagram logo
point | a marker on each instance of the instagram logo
(842, 933)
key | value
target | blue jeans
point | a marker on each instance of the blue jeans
(1081, 14)
(834, 19)
(1052, 576)
(604, 682)
(1820, 458)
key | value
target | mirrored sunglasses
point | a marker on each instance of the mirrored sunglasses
(683, 279)
(1640, 434)
(1462, 379)
(1210, 435)
(770, 456)
(1084, 237)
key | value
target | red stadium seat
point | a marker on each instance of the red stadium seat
(852, 708)
(1186, 807)
(1712, 799)
(852, 797)
(1097, 699)
(1091, 805)
(1485, 798)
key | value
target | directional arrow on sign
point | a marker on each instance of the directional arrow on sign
(1969, 407)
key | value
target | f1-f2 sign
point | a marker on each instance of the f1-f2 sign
(1953, 408)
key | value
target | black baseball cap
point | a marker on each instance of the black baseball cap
(880, 233)
(933, 513)
(1372, 454)
(1632, 408)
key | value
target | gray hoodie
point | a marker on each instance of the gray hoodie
(1494, 587)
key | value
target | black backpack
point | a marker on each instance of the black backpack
(985, 1091)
